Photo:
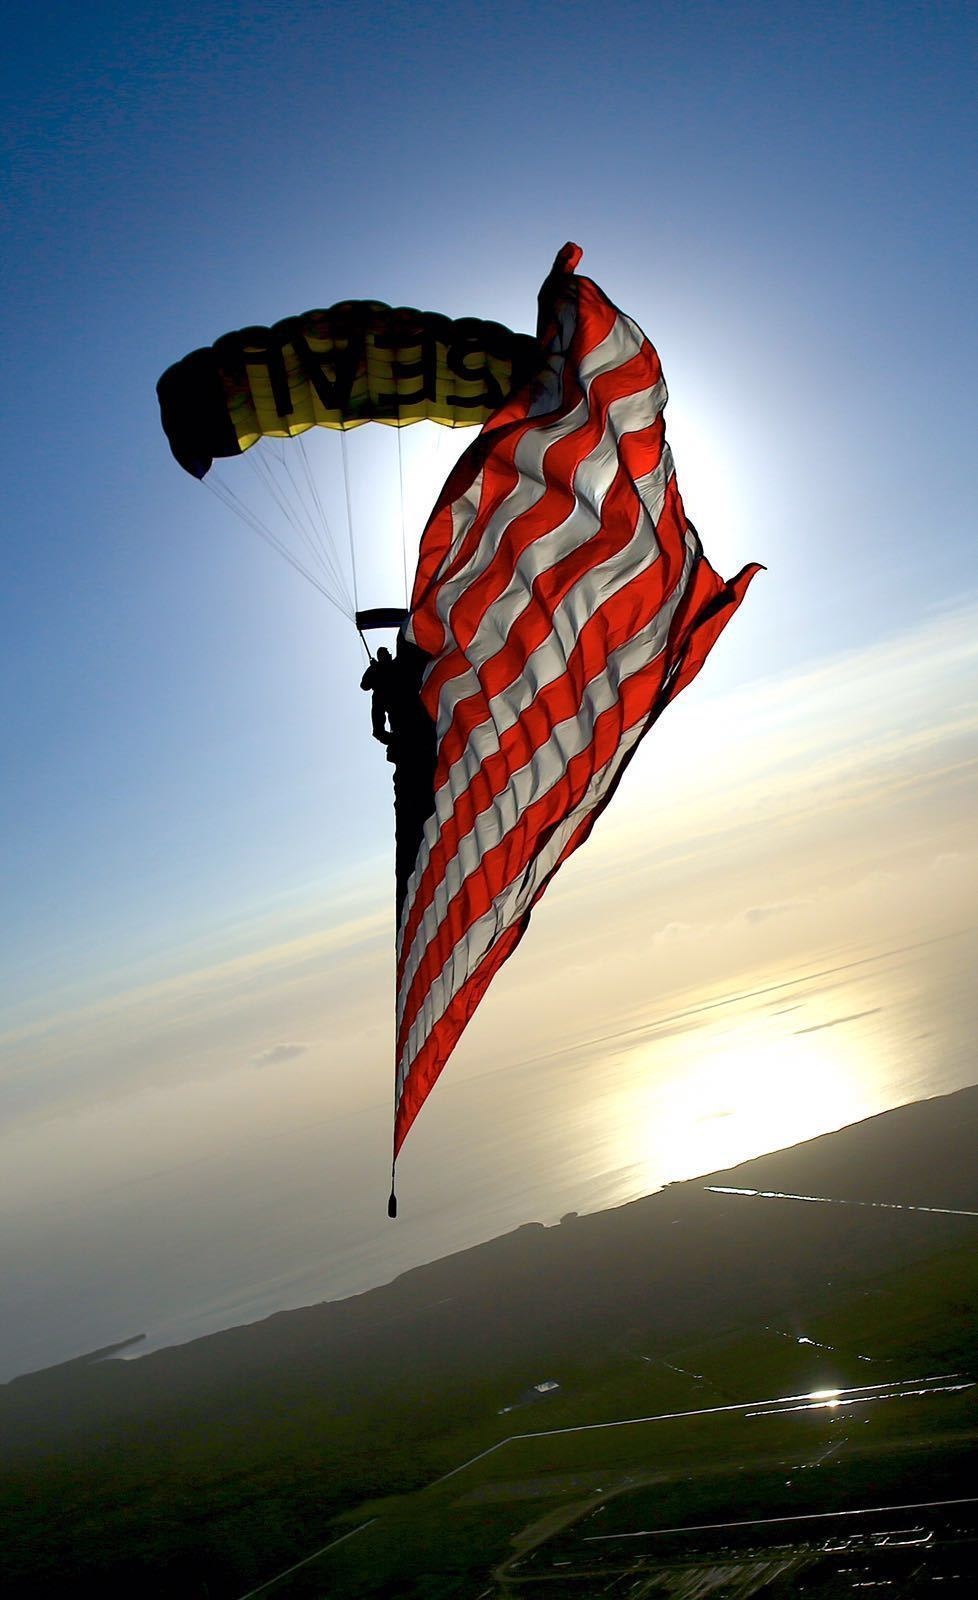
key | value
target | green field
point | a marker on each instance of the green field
(449, 1538)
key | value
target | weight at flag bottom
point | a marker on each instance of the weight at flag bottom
(564, 599)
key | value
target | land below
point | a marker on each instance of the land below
(761, 1380)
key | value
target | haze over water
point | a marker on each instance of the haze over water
(291, 1221)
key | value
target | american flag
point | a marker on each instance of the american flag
(564, 599)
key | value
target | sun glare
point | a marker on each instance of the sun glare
(710, 481)
(710, 1099)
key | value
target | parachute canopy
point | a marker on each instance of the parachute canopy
(360, 361)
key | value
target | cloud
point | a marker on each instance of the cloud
(199, 1024)
(896, 718)
(755, 914)
(837, 1021)
(223, 981)
(278, 1052)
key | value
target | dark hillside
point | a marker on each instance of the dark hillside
(233, 1452)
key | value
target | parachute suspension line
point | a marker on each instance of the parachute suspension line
(349, 518)
(221, 491)
(226, 495)
(320, 538)
(312, 532)
(400, 484)
(262, 466)
(262, 469)
(317, 502)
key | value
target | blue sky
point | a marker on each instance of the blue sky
(779, 193)
(782, 196)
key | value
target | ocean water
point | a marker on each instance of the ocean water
(300, 1216)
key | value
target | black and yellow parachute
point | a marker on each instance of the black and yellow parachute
(360, 361)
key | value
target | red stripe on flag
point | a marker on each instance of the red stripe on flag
(500, 866)
(629, 611)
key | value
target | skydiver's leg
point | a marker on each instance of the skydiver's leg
(378, 716)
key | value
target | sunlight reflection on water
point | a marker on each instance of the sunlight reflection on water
(768, 1070)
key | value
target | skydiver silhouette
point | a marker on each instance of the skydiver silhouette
(400, 721)
(380, 680)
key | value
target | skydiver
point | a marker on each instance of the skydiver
(380, 679)
(400, 721)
